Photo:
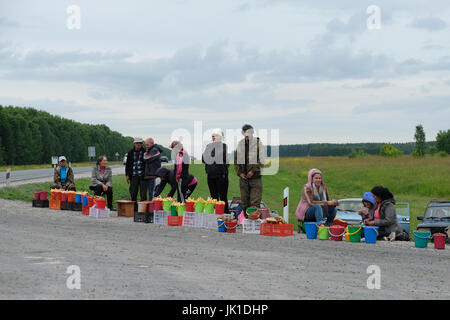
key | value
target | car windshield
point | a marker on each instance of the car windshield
(402, 209)
(438, 212)
(350, 205)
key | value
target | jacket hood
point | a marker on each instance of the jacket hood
(368, 196)
(310, 175)
(390, 200)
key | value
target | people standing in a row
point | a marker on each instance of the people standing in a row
(63, 177)
(216, 167)
(181, 167)
(134, 171)
(248, 163)
(152, 162)
(101, 180)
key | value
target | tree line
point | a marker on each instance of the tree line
(30, 136)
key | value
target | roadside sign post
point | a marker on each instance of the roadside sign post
(8, 176)
(91, 152)
(286, 204)
(117, 156)
(54, 161)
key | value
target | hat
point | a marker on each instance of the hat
(246, 127)
(368, 197)
(62, 158)
(138, 140)
(173, 144)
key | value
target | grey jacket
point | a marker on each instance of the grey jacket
(99, 179)
(388, 217)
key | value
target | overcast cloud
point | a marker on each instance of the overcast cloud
(312, 69)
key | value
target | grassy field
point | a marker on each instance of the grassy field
(412, 180)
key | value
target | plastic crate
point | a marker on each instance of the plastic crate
(189, 219)
(174, 220)
(277, 230)
(54, 204)
(251, 226)
(66, 205)
(40, 203)
(77, 206)
(143, 217)
(209, 221)
(198, 220)
(98, 213)
(160, 217)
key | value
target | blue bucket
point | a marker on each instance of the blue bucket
(371, 234)
(77, 198)
(221, 226)
(85, 201)
(311, 229)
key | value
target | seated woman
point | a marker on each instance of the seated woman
(315, 204)
(63, 177)
(385, 216)
(169, 176)
(101, 182)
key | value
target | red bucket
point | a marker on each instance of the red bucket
(339, 222)
(43, 195)
(231, 226)
(37, 195)
(90, 201)
(64, 197)
(71, 197)
(220, 208)
(158, 205)
(439, 240)
(151, 206)
(101, 203)
(337, 232)
(190, 206)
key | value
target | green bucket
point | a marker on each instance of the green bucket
(173, 210)
(181, 209)
(323, 233)
(209, 207)
(167, 204)
(199, 207)
(354, 233)
(250, 210)
(421, 239)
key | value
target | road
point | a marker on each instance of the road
(27, 175)
(120, 259)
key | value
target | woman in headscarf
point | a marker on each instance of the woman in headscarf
(315, 204)
(385, 216)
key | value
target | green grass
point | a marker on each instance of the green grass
(410, 179)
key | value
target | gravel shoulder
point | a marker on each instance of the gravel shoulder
(120, 259)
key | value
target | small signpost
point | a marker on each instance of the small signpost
(117, 156)
(91, 152)
(286, 204)
(54, 161)
(8, 176)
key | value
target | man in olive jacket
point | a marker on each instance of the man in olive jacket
(248, 164)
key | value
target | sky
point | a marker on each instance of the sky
(316, 71)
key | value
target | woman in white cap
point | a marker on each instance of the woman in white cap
(63, 177)
(216, 167)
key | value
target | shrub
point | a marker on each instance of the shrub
(388, 150)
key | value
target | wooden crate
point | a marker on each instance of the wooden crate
(125, 208)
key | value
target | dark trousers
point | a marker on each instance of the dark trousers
(98, 191)
(251, 193)
(151, 188)
(218, 188)
(138, 184)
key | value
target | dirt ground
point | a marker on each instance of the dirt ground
(120, 259)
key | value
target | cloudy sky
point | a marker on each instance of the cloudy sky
(312, 68)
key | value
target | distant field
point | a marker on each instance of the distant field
(410, 179)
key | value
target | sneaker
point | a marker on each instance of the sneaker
(391, 237)
(385, 239)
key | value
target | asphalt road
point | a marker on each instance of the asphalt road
(120, 259)
(26, 175)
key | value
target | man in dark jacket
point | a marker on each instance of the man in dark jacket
(216, 167)
(152, 162)
(134, 171)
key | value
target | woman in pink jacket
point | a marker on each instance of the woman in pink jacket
(315, 204)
